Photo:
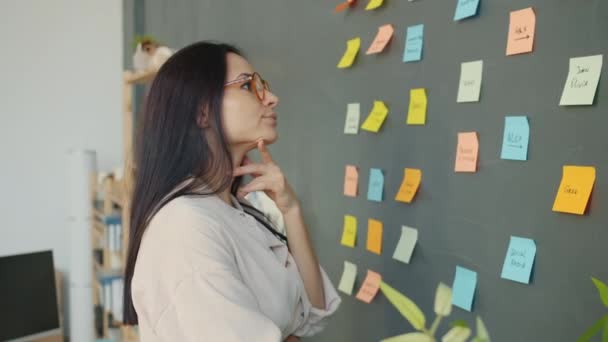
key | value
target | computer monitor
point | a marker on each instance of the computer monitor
(28, 298)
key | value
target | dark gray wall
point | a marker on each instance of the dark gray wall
(462, 219)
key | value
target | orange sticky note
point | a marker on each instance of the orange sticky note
(521, 31)
(370, 287)
(409, 186)
(382, 39)
(351, 181)
(374, 236)
(466, 152)
(575, 189)
(349, 234)
(344, 5)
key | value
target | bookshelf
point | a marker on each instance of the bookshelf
(110, 206)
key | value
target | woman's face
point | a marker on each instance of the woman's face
(246, 119)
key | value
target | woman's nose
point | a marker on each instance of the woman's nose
(271, 99)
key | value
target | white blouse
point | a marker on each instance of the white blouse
(207, 271)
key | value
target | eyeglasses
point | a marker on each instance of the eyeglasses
(257, 85)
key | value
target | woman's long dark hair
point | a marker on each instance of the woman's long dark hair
(171, 147)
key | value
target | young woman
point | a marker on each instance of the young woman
(203, 263)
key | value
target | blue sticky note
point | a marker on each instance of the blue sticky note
(463, 289)
(413, 43)
(519, 260)
(515, 139)
(376, 185)
(465, 9)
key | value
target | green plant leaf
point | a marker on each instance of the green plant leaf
(405, 306)
(457, 334)
(459, 323)
(443, 300)
(410, 337)
(594, 329)
(482, 332)
(602, 289)
(605, 333)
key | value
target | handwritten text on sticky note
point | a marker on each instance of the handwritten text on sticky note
(413, 43)
(376, 117)
(374, 236)
(575, 189)
(416, 114)
(583, 77)
(349, 233)
(522, 27)
(351, 181)
(467, 151)
(382, 39)
(370, 287)
(519, 260)
(515, 138)
(409, 186)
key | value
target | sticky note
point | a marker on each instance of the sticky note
(413, 43)
(522, 26)
(353, 114)
(515, 138)
(352, 48)
(349, 233)
(373, 4)
(344, 5)
(519, 260)
(375, 189)
(376, 117)
(370, 287)
(575, 189)
(409, 186)
(466, 152)
(463, 288)
(469, 87)
(583, 77)
(416, 114)
(347, 281)
(351, 181)
(374, 236)
(466, 9)
(405, 246)
(382, 39)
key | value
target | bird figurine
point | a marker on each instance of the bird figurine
(150, 54)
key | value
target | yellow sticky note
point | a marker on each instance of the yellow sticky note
(349, 235)
(575, 189)
(521, 31)
(374, 236)
(373, 4)
(416, 114)
(352, 48)
(376, 117)
(382, 39)
(351, 180)
(370, 287)
(409, 186)
(466, 152)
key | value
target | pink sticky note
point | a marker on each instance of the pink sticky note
(521, 31)
(382, 39)
(370, 287)
(351, 180)
(466, 152)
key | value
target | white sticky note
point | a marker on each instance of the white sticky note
(347, 282)
(583, 77)
(405, 246)
(470, 81)
(353, 115)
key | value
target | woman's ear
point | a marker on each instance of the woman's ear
(203, 120)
